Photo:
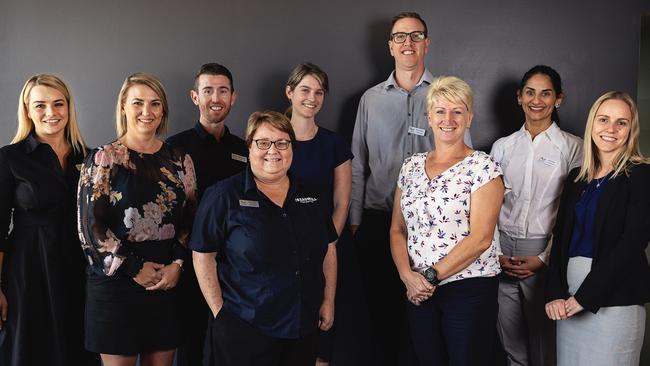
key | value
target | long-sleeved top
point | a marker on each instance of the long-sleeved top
(534, 172)
(619, 274)
(391, 125)
(135, 207)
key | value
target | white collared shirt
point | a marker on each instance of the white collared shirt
(534, 172)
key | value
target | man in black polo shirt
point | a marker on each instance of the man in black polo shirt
(217, 155)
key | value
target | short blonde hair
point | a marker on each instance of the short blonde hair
(140, 78)
(26, 125)
(631, 154)
(451, 89)
(277, 120)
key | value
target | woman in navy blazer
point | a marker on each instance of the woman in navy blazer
(598, 261)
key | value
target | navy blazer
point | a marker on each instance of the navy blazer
(619, 274)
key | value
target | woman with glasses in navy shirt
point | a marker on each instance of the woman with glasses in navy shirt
(260, 239)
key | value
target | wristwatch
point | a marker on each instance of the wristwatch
(431, 275)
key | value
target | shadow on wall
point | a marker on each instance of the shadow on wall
(507, 114)
(382, 65)
(271, 92)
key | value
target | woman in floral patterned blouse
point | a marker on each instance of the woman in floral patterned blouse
(443, 237)
(135, 199)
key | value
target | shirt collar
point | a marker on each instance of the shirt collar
(427, 77)
(203, 134)
(250, 186)
(552, 133)
(31, 142)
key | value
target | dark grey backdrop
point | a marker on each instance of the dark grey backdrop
(94, 44)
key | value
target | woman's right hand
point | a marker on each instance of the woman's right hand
(3, 309)
(556, 309)
(418, 289)
(149, 274)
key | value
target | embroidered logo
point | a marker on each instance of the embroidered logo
(306, 199)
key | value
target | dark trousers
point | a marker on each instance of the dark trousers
(195, 314)
(456, 325)
(237, 343)
(384, 291)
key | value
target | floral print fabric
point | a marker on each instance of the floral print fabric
(128, 198)
(437, 211)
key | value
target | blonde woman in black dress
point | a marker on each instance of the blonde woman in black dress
(42, 296)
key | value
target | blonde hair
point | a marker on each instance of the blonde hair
(452, 89)
(26, 125)
(275, 119)
(631, 154)
(140, 78)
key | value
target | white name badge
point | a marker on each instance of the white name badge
(238, 157)
(417, 131)
(548, 162)
(249, 203)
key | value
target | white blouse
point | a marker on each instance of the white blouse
(436, 212)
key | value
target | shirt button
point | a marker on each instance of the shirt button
(284, 214)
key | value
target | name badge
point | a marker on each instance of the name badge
(548, 162)
(249, 203)
(238, 157)
(417, 131)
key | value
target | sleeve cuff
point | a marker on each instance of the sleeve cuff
(131, 265)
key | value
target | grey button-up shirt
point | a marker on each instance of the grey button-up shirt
(391, 125)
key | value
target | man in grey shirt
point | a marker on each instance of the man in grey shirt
(391, 125)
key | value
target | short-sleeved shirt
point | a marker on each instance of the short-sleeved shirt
(315, 160)
(213, 160)
(269, 258)
(437, 211)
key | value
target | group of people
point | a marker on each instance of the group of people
(222, 250)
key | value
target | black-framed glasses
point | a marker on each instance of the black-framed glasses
(416, 36)
(266, 144)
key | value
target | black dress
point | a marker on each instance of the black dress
(133, 208)
(43, 264)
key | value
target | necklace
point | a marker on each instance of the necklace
(600, 181)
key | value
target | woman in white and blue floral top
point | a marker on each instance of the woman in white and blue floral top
(443, 236)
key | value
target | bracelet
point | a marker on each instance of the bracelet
(179, 262)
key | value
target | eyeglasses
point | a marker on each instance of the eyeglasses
(416, 36)
(266, 144)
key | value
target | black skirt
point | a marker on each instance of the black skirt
(122, 318)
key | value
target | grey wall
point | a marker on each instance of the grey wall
(93, 45)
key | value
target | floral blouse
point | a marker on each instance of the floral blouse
(131, 204)
(436, 211)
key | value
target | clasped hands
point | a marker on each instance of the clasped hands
(521, 266)
(155, 276)
(561, 309)
(418, 289)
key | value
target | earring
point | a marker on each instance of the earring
(557, 106)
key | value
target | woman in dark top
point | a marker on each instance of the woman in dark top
(42, 265)
(322, 158)
(136, 196)
(598, 261)
(259, 241)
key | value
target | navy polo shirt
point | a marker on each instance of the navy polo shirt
(269, 258)
(213, 160)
